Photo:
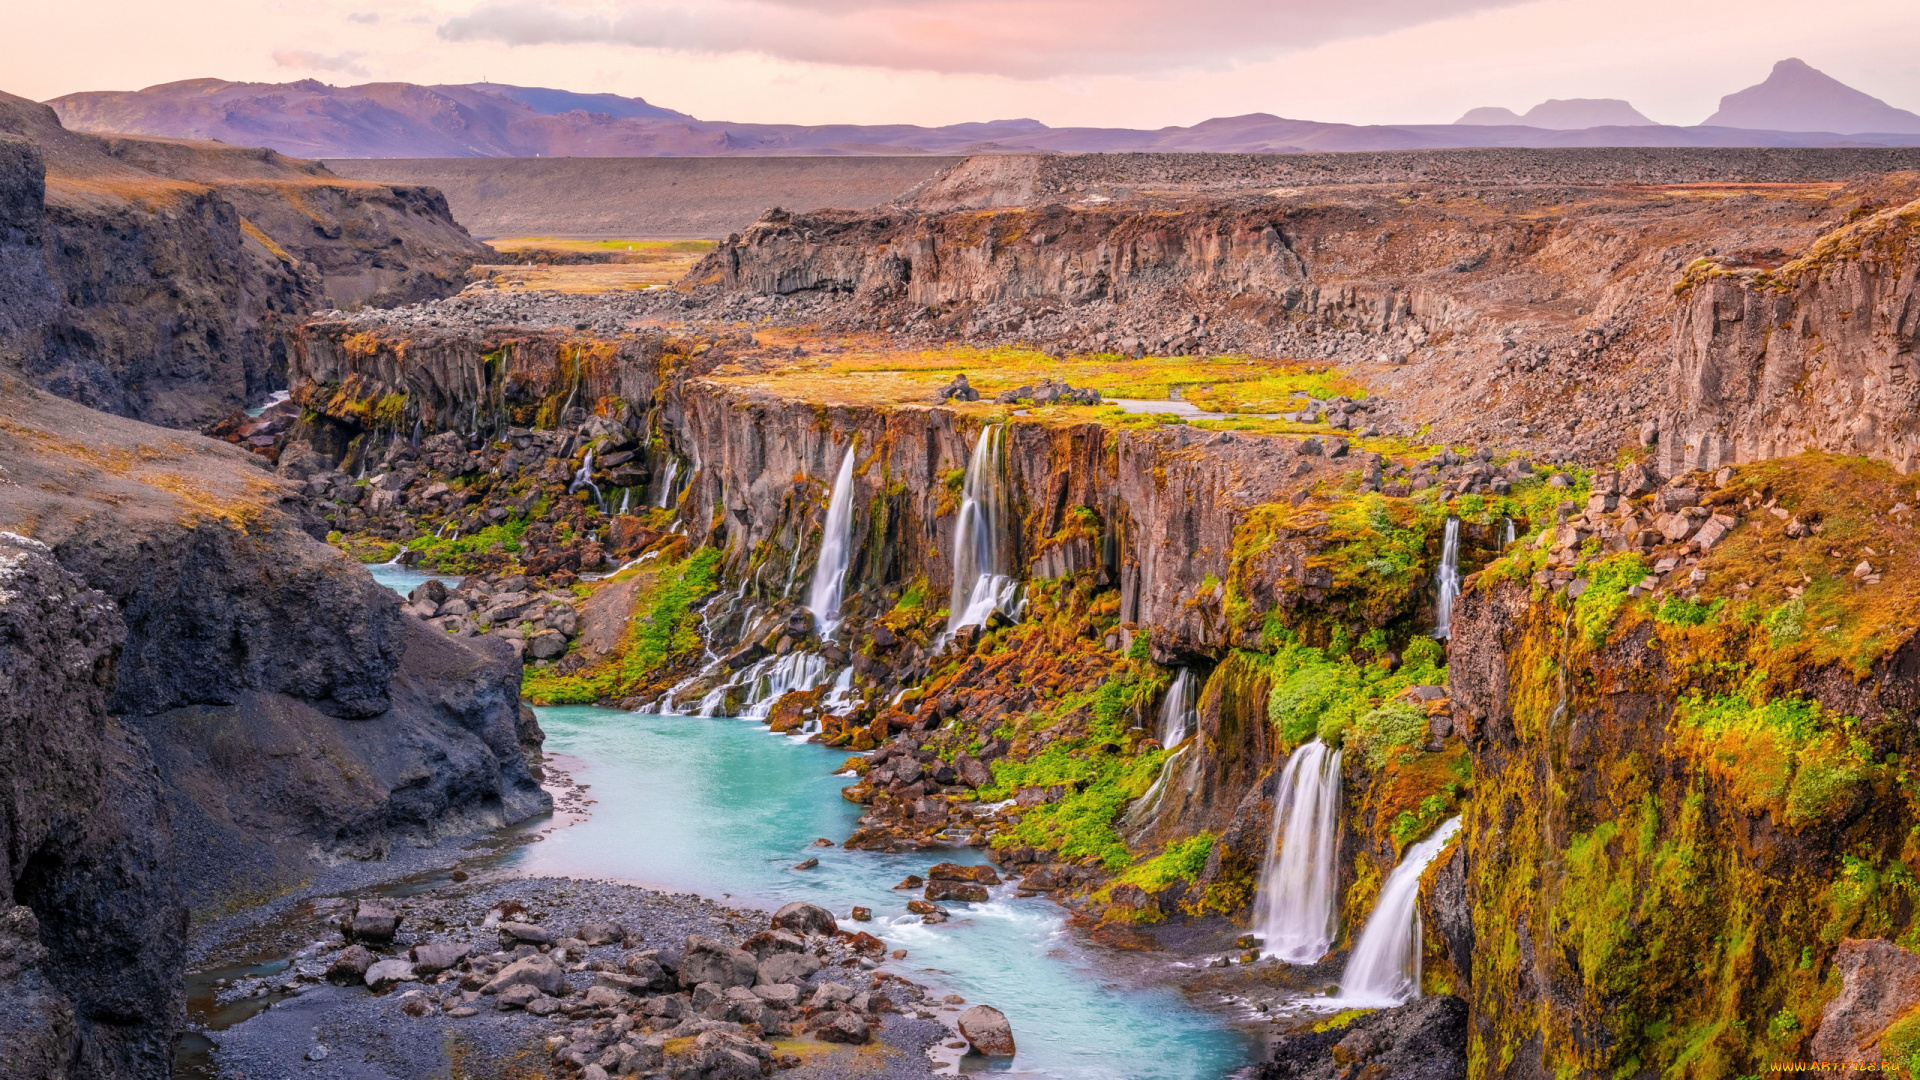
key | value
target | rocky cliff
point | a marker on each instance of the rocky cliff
(155, 278)
(209, 704)
(1774, 357)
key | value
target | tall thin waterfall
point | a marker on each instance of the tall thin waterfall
(1295, 910)
(1448, 578)
(981, 583)
(666, 486)
(584, 478)
(1180, 711)
(1509, 538)
(1385, 967)
(836, 544)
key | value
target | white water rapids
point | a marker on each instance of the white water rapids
(1295, 912)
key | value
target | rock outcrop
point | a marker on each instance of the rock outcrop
(201, 700)
(155, 278)
(91, 917)
(1815, 354)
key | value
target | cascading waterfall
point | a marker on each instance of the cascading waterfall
(981, 584)
(626, 496)
(1384, 969)
(666, 486)
(1295, 910)
(836, 548)
(584, 479)
(1180, 712)
(1509, 534)
(1448, 578)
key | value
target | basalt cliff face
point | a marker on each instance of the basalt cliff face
(156, 278)
(203, 706)
(1814, 353)
(1495, 294)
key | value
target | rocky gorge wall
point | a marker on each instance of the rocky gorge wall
(1816, 353)
(205, 705)
(155, 279)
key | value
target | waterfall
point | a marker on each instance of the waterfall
(1448, 578)
(1180, 712)
(836, 544)
(1295, 910)
(584, 478)
(981, 584)
(626, 496)
(666, 486)
(1385, 967)
(1509, 536)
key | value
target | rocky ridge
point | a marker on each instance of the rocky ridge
(155, 278)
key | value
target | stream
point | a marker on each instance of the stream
(725, 808)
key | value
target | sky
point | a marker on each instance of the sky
(1117, 63)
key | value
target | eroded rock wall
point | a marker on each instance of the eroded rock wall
(1816, 355)
(91, 918)
(169, 272)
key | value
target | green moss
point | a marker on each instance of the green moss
(1680, 611)
(1315, 696)
(1181, 861)
(665, 631)
(1383, 734)
(1597, 609)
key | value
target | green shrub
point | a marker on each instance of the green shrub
(1380, 734)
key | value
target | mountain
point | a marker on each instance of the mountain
(1556, 114)
(1795, 97)
(406, 120)
(557, 102)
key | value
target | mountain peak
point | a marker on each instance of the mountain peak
(1798, 97)
(1562, 114)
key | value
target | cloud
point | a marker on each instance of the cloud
(346, 63)
(364, 18)
(1022, 38)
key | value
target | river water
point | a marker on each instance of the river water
(725, 808)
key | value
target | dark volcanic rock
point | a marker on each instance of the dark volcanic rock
(1423, 1040)
(91, 923)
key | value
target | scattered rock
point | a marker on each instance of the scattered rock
(386, 974)
(987, 1032)
(804, 918)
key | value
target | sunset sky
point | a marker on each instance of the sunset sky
(1131, 63)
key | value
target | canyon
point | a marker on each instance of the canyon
(1445, 613)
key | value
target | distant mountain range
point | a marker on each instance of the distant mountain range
(1794, 98)
(1795, 106)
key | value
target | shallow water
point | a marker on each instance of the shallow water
(722, 807)
(404, 580)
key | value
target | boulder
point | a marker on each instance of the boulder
(517, 997)
(645, 968)
(831, 993)
(351, 965)
(1878, 982)
(386, 974)
(415, 1003)
(843, 1027)
(786, 967)
(980, 874)
(374, 922)
(779, 995)
(547, 645)
(710, 960)
(987, 1032)
(767, 942)
(804, 918)
(972, 771)
(437, 957)
(537, 971)
(513, 933)
(601, 933)
(964, 891)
